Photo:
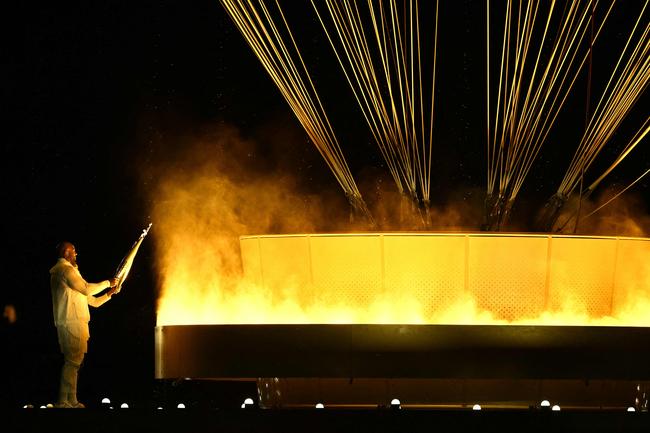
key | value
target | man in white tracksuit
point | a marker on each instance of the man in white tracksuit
(71, 295)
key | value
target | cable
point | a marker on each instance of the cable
(384, 69)
(295, 84)
(617, 195)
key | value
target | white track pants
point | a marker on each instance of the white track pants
(73, 341)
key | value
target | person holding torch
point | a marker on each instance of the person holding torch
(71, 296)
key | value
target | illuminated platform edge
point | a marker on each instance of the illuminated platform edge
(511, 275)
(402, 351)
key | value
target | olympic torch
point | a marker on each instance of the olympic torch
(126, 263)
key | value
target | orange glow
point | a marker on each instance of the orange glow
(416, 278)
(206, 196)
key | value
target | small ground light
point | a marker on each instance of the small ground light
(49, 405)
(180, 406)
(243, 405)
(555, 408)
(395, 403)
(248, 401)
(159, 408)
(28, 406)
(320, 406)
(476, 407)
(631, 409)
(43, 407)
(124, 406)
(545, 403)
(106, 400)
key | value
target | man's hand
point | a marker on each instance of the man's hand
(114, 282)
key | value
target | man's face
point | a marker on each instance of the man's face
(71, 255)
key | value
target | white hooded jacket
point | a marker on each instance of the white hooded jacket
(71, 294)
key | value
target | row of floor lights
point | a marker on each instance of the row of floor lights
(106, 403)
(248, 403)
(395, 404)
(545, 404)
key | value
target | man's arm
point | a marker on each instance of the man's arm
(76, 282)
(97, 301)
(101, 300)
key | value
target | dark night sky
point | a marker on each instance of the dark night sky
(96, 90)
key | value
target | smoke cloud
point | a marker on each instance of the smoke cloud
(218, 185)
(623, 216)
